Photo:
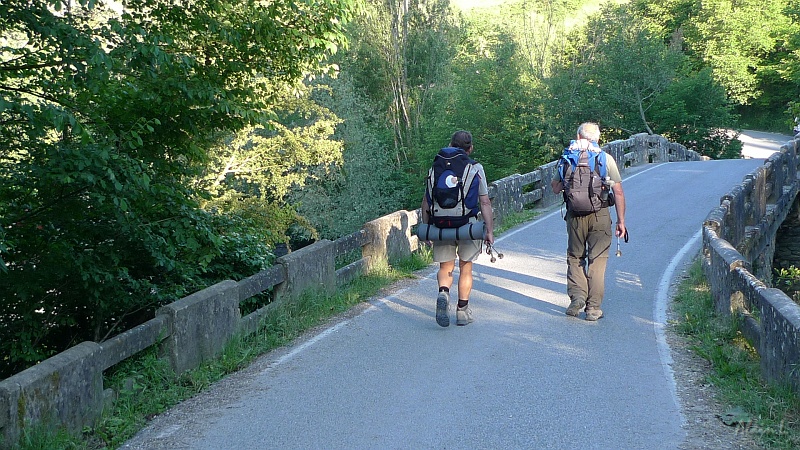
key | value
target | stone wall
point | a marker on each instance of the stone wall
(787, 242)
(739, 242)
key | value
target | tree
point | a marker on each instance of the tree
(400, 57)
(490, 95)
(732, 38)
(695, 111)
(368, 183)
(543, 24)
(750, 46)
(636, 79)
(631, 68)
(257, 172)
(107, 117)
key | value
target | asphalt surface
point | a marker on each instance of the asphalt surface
(759, 144)
(522, 376)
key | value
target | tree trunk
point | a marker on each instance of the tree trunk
(640, 103)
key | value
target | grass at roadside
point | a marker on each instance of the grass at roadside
(517, 218)
(147, 387)
(768, 412)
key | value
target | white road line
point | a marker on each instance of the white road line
(660, 317)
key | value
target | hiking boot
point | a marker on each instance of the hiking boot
(442, 305)
(594, 314)
(463, 316)
(575, 307)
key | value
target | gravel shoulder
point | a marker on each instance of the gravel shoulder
(699, 403)
(699, 398)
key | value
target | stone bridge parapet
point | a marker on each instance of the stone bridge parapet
(738, 251)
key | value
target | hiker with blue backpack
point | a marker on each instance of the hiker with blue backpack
(456, 192)
(590, 182)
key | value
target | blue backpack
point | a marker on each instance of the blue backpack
(452, 188)
(583, 173)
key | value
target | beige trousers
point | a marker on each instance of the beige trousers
(588, 241)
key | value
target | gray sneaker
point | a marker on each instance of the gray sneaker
(575, 307)
(463, 316)
(594, 314)
(442, 305)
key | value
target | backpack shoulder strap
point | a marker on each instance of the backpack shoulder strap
(601, 167)
(604, 167)
(569, 158)
(429, 182)
(470, 172)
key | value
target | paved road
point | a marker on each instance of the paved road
(523, 375)
(759, 144)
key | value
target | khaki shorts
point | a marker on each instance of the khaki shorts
(468, 250)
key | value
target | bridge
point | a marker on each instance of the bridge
(523, 375)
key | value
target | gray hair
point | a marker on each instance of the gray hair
(590, 131)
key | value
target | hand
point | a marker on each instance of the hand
(622, 231)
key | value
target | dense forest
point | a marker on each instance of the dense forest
(151, 148)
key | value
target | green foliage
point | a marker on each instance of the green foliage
(430, 73)
(540, 27)
(695, 111)
(474, 96)
(418, 260)
(750, 46)
(400, 63)
(107, 118)
(516, 218)
(613, 74)
(254, 174)
(788, 280)
(368, 184)
(732, 37)
(270, 160)
(43, 437)
(635, 79)
(400, 57)
(490, 96)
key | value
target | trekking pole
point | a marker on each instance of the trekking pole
(490, 250)
(619, 252)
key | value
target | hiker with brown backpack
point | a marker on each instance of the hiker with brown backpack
(590, 182)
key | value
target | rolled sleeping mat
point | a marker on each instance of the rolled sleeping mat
(472, 231)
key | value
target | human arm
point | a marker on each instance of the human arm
(426, 209)
(619, 205)
(488, 218)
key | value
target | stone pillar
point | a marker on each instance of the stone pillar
(201, 324)
(64, 390)
(312, 268)
(780, 347)
(389, 238)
